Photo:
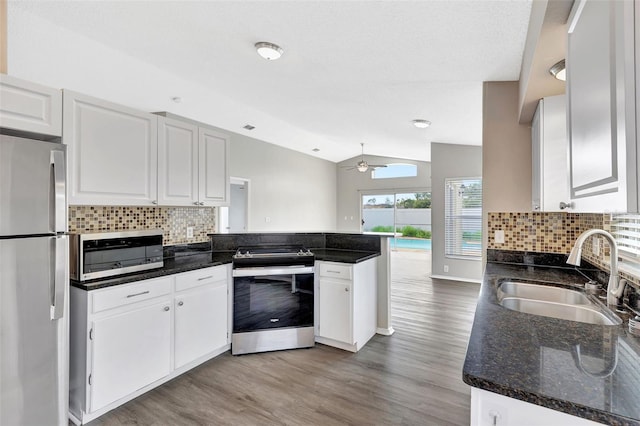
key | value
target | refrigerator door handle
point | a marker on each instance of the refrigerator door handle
(59, 277)
(59, 213)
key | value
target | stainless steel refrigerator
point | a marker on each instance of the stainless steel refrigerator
(34, 289)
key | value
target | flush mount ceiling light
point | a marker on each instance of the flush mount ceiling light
(421, 124)
(268, 50)
(559, 71)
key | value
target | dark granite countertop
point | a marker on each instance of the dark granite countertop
(537, 359)
(184, 261)
(344, 256)
(172, 265)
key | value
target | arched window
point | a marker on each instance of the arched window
(395, 170)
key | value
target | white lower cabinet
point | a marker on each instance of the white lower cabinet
(492, 409)
(195, 312)
(346, 304)
(128, 339)
(141, 338)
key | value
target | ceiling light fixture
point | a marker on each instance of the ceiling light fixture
(559, 71)
(268, 50)
(421, 124)
(248, 127)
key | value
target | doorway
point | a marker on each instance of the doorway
(234, 219)
(403, 214)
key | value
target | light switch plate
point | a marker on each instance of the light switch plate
(189, 231)
(499, 237)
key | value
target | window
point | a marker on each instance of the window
(626, 230)
(395, 171)
(463, 217)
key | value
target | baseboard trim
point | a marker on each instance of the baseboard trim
(450, 278)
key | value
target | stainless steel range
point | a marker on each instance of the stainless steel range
(272, 298)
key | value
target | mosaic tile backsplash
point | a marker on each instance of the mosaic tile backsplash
(172, 220)
(552, 233)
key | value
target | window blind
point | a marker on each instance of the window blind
(463, 217)
(626, 230)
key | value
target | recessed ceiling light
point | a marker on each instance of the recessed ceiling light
(268, 50)
(176, 99)
(248, 127)
(421, 124)
(315, 149)
(559, 71)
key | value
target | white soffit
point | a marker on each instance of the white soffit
(351, 72)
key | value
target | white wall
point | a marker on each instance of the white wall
(451, 161)
(351, 184)
(296, 191)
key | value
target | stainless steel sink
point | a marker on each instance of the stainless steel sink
(541, 292)
(582, 313)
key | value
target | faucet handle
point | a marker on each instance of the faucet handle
(592, 286)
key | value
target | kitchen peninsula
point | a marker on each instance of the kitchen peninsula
(168, 320)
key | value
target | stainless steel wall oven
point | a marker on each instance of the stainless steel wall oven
(272, 299)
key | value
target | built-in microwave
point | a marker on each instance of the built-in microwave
(105, 254)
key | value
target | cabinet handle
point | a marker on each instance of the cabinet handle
(333, 272)
(166, 308)
(564, 205)
(180, 303)
(205, 278)
(154, 202)
(346, 289)
(196, 203)
(137, 294)
(202, 203)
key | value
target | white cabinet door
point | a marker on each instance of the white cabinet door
(214, 176)
(112, 152)
(601, 100)
(177, 162)
(492, 409)
(130, 351)
(336, 314)
(30, 107)
(200, 322)
(549, 154)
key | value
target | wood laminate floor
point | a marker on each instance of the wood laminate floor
(411, 378)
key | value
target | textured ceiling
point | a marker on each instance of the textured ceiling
(352, 71)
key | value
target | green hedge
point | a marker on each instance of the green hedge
(407, 231)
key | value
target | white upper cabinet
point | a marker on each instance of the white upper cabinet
(601, 91)
(549, 153)
(177, 162)
(192, 163)
(214, 177)
(112, 152)
(30, 107)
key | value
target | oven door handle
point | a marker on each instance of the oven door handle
(264, 271)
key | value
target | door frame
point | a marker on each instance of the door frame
(222, 224)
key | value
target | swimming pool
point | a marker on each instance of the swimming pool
(410, 243)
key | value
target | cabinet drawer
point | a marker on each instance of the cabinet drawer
(200, 277)
(132, 293)
(336, 270)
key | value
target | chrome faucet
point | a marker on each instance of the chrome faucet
(613, 292)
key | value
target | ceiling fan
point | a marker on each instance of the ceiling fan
(362, 166)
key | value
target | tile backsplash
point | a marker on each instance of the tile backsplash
(172, 220)
(552, 233)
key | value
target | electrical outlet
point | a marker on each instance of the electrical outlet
(446, 268)
(498, 237)
(189, 231)
(267, 219)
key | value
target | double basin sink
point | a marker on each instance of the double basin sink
(556, 302)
